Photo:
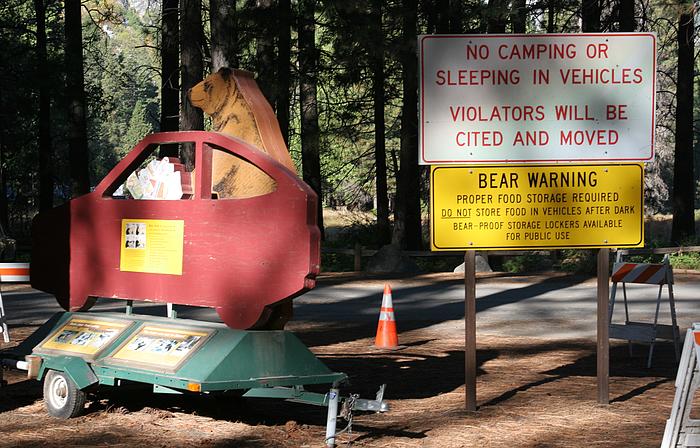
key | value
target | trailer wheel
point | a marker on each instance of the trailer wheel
(62, 397)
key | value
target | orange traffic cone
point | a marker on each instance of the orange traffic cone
(386, 330)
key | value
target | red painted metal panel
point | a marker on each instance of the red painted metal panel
(239, 255)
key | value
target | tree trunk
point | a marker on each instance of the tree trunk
(284, 44)
(192, 70)
(308, 69)
(442, 9)
(224, 34)
(496, 10)
(456, 14)
(45, 150)
(169, 74)
(75, 93)
(627, 20)
(407, 227)
(4, 212)
(378, 77)
(551, 15)
(683, 226)
(518, 16)
(265, 50)
(590, 16)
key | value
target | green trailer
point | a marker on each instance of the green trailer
(75, 352)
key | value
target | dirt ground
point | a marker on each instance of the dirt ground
(531, 393)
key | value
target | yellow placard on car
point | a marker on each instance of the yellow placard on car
(152, 245)
(536, 206)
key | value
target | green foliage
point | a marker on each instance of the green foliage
(578, 261)
(337, 262)
(688, 260)
(19, 104)
(360, 230)
(346, 104)
(527, 263)
(647, 258)
(438, 264)
(139, 126)
(122, 83)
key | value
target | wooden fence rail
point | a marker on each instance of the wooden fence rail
(660, 250)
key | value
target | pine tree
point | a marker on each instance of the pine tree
(75, 92)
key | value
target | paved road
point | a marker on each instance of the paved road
(539, 306)
(553, 307)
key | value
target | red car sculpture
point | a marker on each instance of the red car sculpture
(245, 257)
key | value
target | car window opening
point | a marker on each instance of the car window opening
(166, 178)
(236, 178)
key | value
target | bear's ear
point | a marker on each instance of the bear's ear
(225, 73)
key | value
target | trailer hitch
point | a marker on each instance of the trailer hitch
(352, 403)
(332, 399)
(363, 404)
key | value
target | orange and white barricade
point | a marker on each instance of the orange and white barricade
(643, 332)
(10, 273)
(682, 430)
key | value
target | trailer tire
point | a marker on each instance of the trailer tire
(62, 397)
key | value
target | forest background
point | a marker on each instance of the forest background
(82, 81)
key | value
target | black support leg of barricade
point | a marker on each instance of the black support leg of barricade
(611, 305)
(3, 322)
(674, 322)
(656, 322)
(627, 317)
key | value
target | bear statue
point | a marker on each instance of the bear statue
(238, 108)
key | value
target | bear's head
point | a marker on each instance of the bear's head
(212, 94)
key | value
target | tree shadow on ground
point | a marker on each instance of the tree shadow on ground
(240, 442)
(425, 309)
(19, 394)
(225, 407)
(408, 375)
(372, 433)
(420, 376)
(622, 365)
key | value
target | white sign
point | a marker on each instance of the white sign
(537, 98)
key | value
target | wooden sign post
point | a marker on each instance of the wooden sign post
(470, 329)
(603, 345)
